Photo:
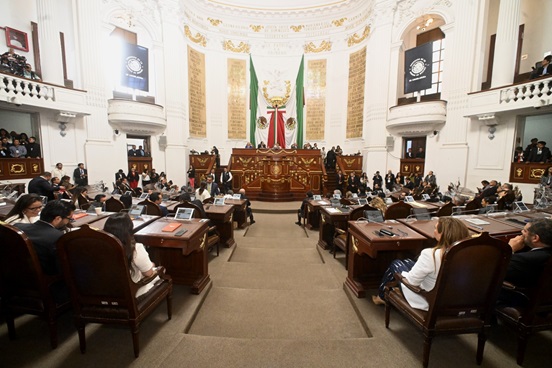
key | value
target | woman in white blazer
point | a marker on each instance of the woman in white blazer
(424, 271)
(26, 210)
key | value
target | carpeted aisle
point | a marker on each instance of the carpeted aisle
(277, 286)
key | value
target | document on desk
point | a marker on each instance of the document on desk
(416, 204)
(333, 210)
(477, 221)
(323, 202)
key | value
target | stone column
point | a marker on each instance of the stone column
(50, 46)
(506, 43)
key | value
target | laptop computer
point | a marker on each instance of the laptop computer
(362, 201)
(409, 199)
(219, 202)
(425, 196)
(128, 193)
(317, 197)
(388, 201)
(337, 196)
(519, 206)
(335, 202)
(44, 200)
(236, 196)
(144, 196)
(183, 213)
(355, 195)
(136, 211)
(373, 216)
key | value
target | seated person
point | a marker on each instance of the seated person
(424, 271)
(486, 205)
(17, 150)
(120, 225)
(99, 201)
(247, 206)
(156, 198)
(544, 69)
(26, 210)
(531, 250)
(186, 197)
(202, 193)
(546, 178)
(506, 191)
(302, 212)
(45, 232)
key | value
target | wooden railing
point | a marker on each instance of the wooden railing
(20, 168)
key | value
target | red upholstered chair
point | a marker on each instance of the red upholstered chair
(96, 270)
(535, 316)
(24, 288)
(464, 295)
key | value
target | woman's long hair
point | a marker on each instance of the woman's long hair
(202, 187)
(26, 201)
(120, 225)
(451, 230)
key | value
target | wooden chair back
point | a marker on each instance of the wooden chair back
(114, 205)
(359, 212)
(463, 299)
(446, 210)
(24, 288)
(397, 211)
(185, 204)
(472, 207)
(535, 315)
(109, 296)
(151, 208)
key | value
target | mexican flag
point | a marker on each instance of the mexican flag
(270, 123)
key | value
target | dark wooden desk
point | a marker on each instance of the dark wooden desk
(331, 218)
(370, 254)
(221, 216)
(5, 209)
(240, 213)
(536, 215)
(313, 212)
(497, 229)
(89, 218)
(184, 257)
(138, 223)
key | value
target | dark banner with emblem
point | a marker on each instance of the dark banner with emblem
(418, 68)
(135, 67)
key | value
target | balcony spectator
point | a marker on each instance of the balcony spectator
(33, 148)
(543, 69)
(17, 150)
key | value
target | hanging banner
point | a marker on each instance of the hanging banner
(135, 67)
(237, 99)
(418, 68)
(355, 98)
(315, 92)
(196, 94)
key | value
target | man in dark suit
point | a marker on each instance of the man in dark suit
(540, 154)
(33, 148)
(330, 159)
(530, 148)
(544, 69)
(45, 233)
(340, 179)
(302, 212)
(409, 153)
(389, 180)
(133, 152)
(532, 249)
(80, 176)
(247, 206)
(212, 187)
(353, 182)
(226, 180)
(42, 186)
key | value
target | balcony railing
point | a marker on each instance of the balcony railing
(15, 86)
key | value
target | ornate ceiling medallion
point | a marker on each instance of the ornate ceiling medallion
(215, 22)
(312, 48)
(354, 39)
(198, 38)
(256, 28)
(297, 28)
(338, 22)
(228, 45)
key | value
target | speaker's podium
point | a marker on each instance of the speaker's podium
(276, 175)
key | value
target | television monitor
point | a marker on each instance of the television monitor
(236, 196)
(317, 197)
(409, 199)
(183, 213)
(373, 216)
(144, 196)
(425, 196)
(362, 201)
(219, 202)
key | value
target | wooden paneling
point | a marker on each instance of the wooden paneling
(527, 172)
(20, 168)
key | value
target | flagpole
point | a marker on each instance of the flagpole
(275, 124)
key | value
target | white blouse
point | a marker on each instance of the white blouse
(141, 263)
(424, 275)
(25, 220)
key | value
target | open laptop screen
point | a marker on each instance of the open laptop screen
(136, 211)
(219, 202)
(184, 213)
(144, 195)
(362, 201)
(421, 213)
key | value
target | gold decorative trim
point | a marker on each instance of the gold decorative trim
(203, 241)
(256, 28)
(277, 100)
(355, 244)
(297, 28)
(202, 161)
(215, 22)
(338, 22)
(354, 39)
(349, 162)
(198, 38)
(276, 152)
(312, 48)
(307, 162)
(242, 47)
(536, 173)
(17, 168)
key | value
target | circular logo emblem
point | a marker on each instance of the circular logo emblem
(275, 170)
(418, 67)
(291, 123)
(262, 123)
(134, 65)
